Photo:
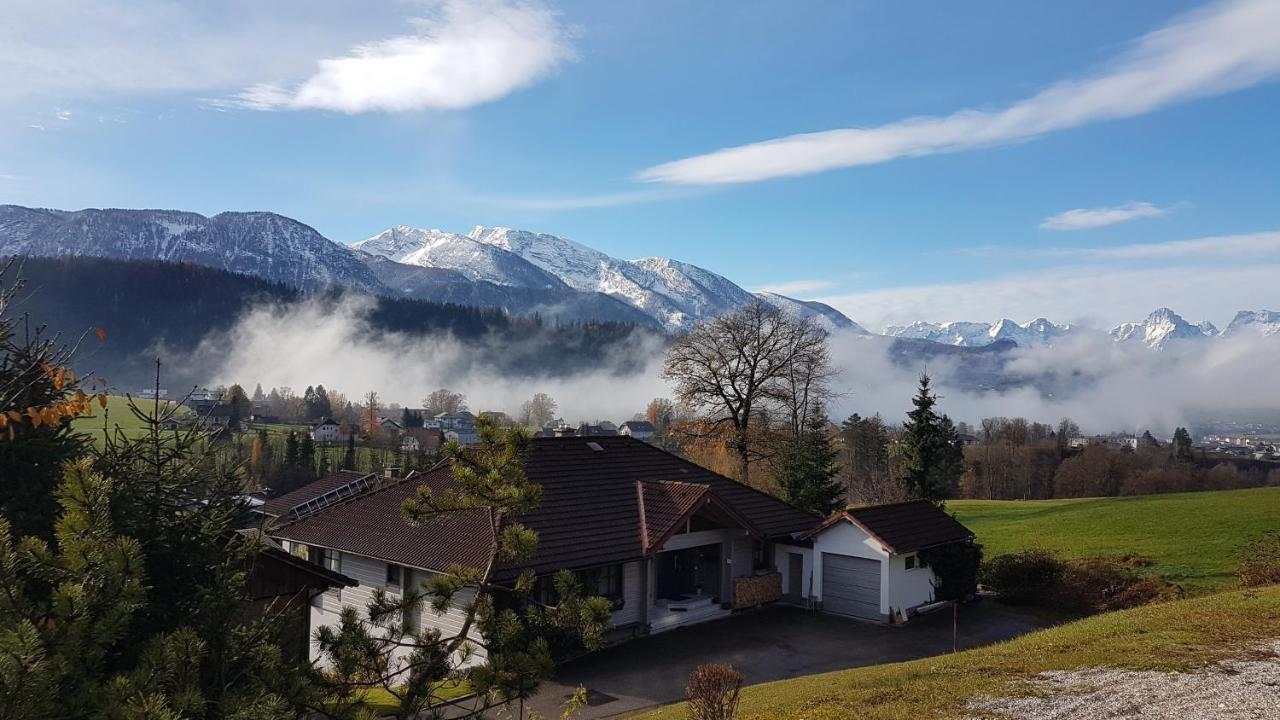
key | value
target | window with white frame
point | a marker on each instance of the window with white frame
(911, 561)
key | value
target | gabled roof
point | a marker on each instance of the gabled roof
(903, 527)
(278, 506)
(589, 515)
(641, 425)
(373, 525)
(665, 506)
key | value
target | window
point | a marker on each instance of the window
(760, 557)
(395, 576)
(911, 562)
(605, 581)
(331, 559)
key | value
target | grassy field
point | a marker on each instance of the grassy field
(1167, 636)
(116, 414)
(1193, 539)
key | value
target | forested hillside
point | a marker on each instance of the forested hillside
(150, 309)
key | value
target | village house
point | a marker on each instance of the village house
(638, 429)
(422, 439)
(388, 427)
(326, 431)
(671, 543)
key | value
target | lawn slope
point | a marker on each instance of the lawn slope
(1177, 635)
(1193, 539)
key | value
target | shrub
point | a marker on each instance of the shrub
(1261, 564)
(1082, 586)
(1029, 576)
(955, 569)
(1101, 584)
(713, 692)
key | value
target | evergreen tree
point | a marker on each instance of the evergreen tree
(258, 396)
(323, 408)
(349, 456)
(307, 457)
(933, 459)
(137, 609)
(866, 460)
(38, 397)
(807, 467)
(309, 403)
(1182, 450)
(241, 408)
(292, 450)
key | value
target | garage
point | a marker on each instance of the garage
(851, 586)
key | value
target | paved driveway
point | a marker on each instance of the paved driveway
(772, 643)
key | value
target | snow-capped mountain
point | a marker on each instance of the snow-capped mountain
(1162, 327)
(263, 244)
(515, 270)
(977, 334)
(459, 253)
(1261, 322)
(827, 317)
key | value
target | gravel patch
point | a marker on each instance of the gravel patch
(1242, 689)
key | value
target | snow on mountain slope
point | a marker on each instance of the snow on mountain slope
(827, 317)
(676, 294)
(263, 244)
(1261, 322)
(1162, 327)
(1038, 332)
(448, 251)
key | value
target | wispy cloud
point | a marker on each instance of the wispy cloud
(1086, 218)
(583, 202)
(796, 287)
(1259, 245)
(1224, 47)
(1095, 296)
(472, 53)
(1249, 245)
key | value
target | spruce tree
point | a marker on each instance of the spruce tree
(1182, 450)
(933, 459)
(807, 467)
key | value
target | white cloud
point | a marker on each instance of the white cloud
(1224, 47)
(472, 53)
(1249, 245)
(1096, 296)
(797, 287)
(1087, 218)
(63, 114)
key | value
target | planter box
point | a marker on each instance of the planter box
(756, 590)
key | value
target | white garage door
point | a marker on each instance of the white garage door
(851, 586)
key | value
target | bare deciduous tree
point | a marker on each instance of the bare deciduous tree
(444, 401)
(538, 411)
(737, 366)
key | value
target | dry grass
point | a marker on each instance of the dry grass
(1166, 636)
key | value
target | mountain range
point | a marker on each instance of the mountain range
(518, 271)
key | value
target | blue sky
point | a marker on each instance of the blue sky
(1153, 121)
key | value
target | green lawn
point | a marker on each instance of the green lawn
(116, 415)
(1193, 539)
(1166, 636)
(382, 702)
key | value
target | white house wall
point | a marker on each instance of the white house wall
(783, 564)
(632, 595)
(371, 574)
(908, 588)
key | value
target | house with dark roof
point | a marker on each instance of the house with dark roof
(669, 542)
(638, 429)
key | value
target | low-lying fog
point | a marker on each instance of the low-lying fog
(1111, 387)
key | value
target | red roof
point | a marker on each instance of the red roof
(277, 506)
(590, 513)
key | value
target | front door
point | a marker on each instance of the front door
(795, 577)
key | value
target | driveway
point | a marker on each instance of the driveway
(773, 643)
